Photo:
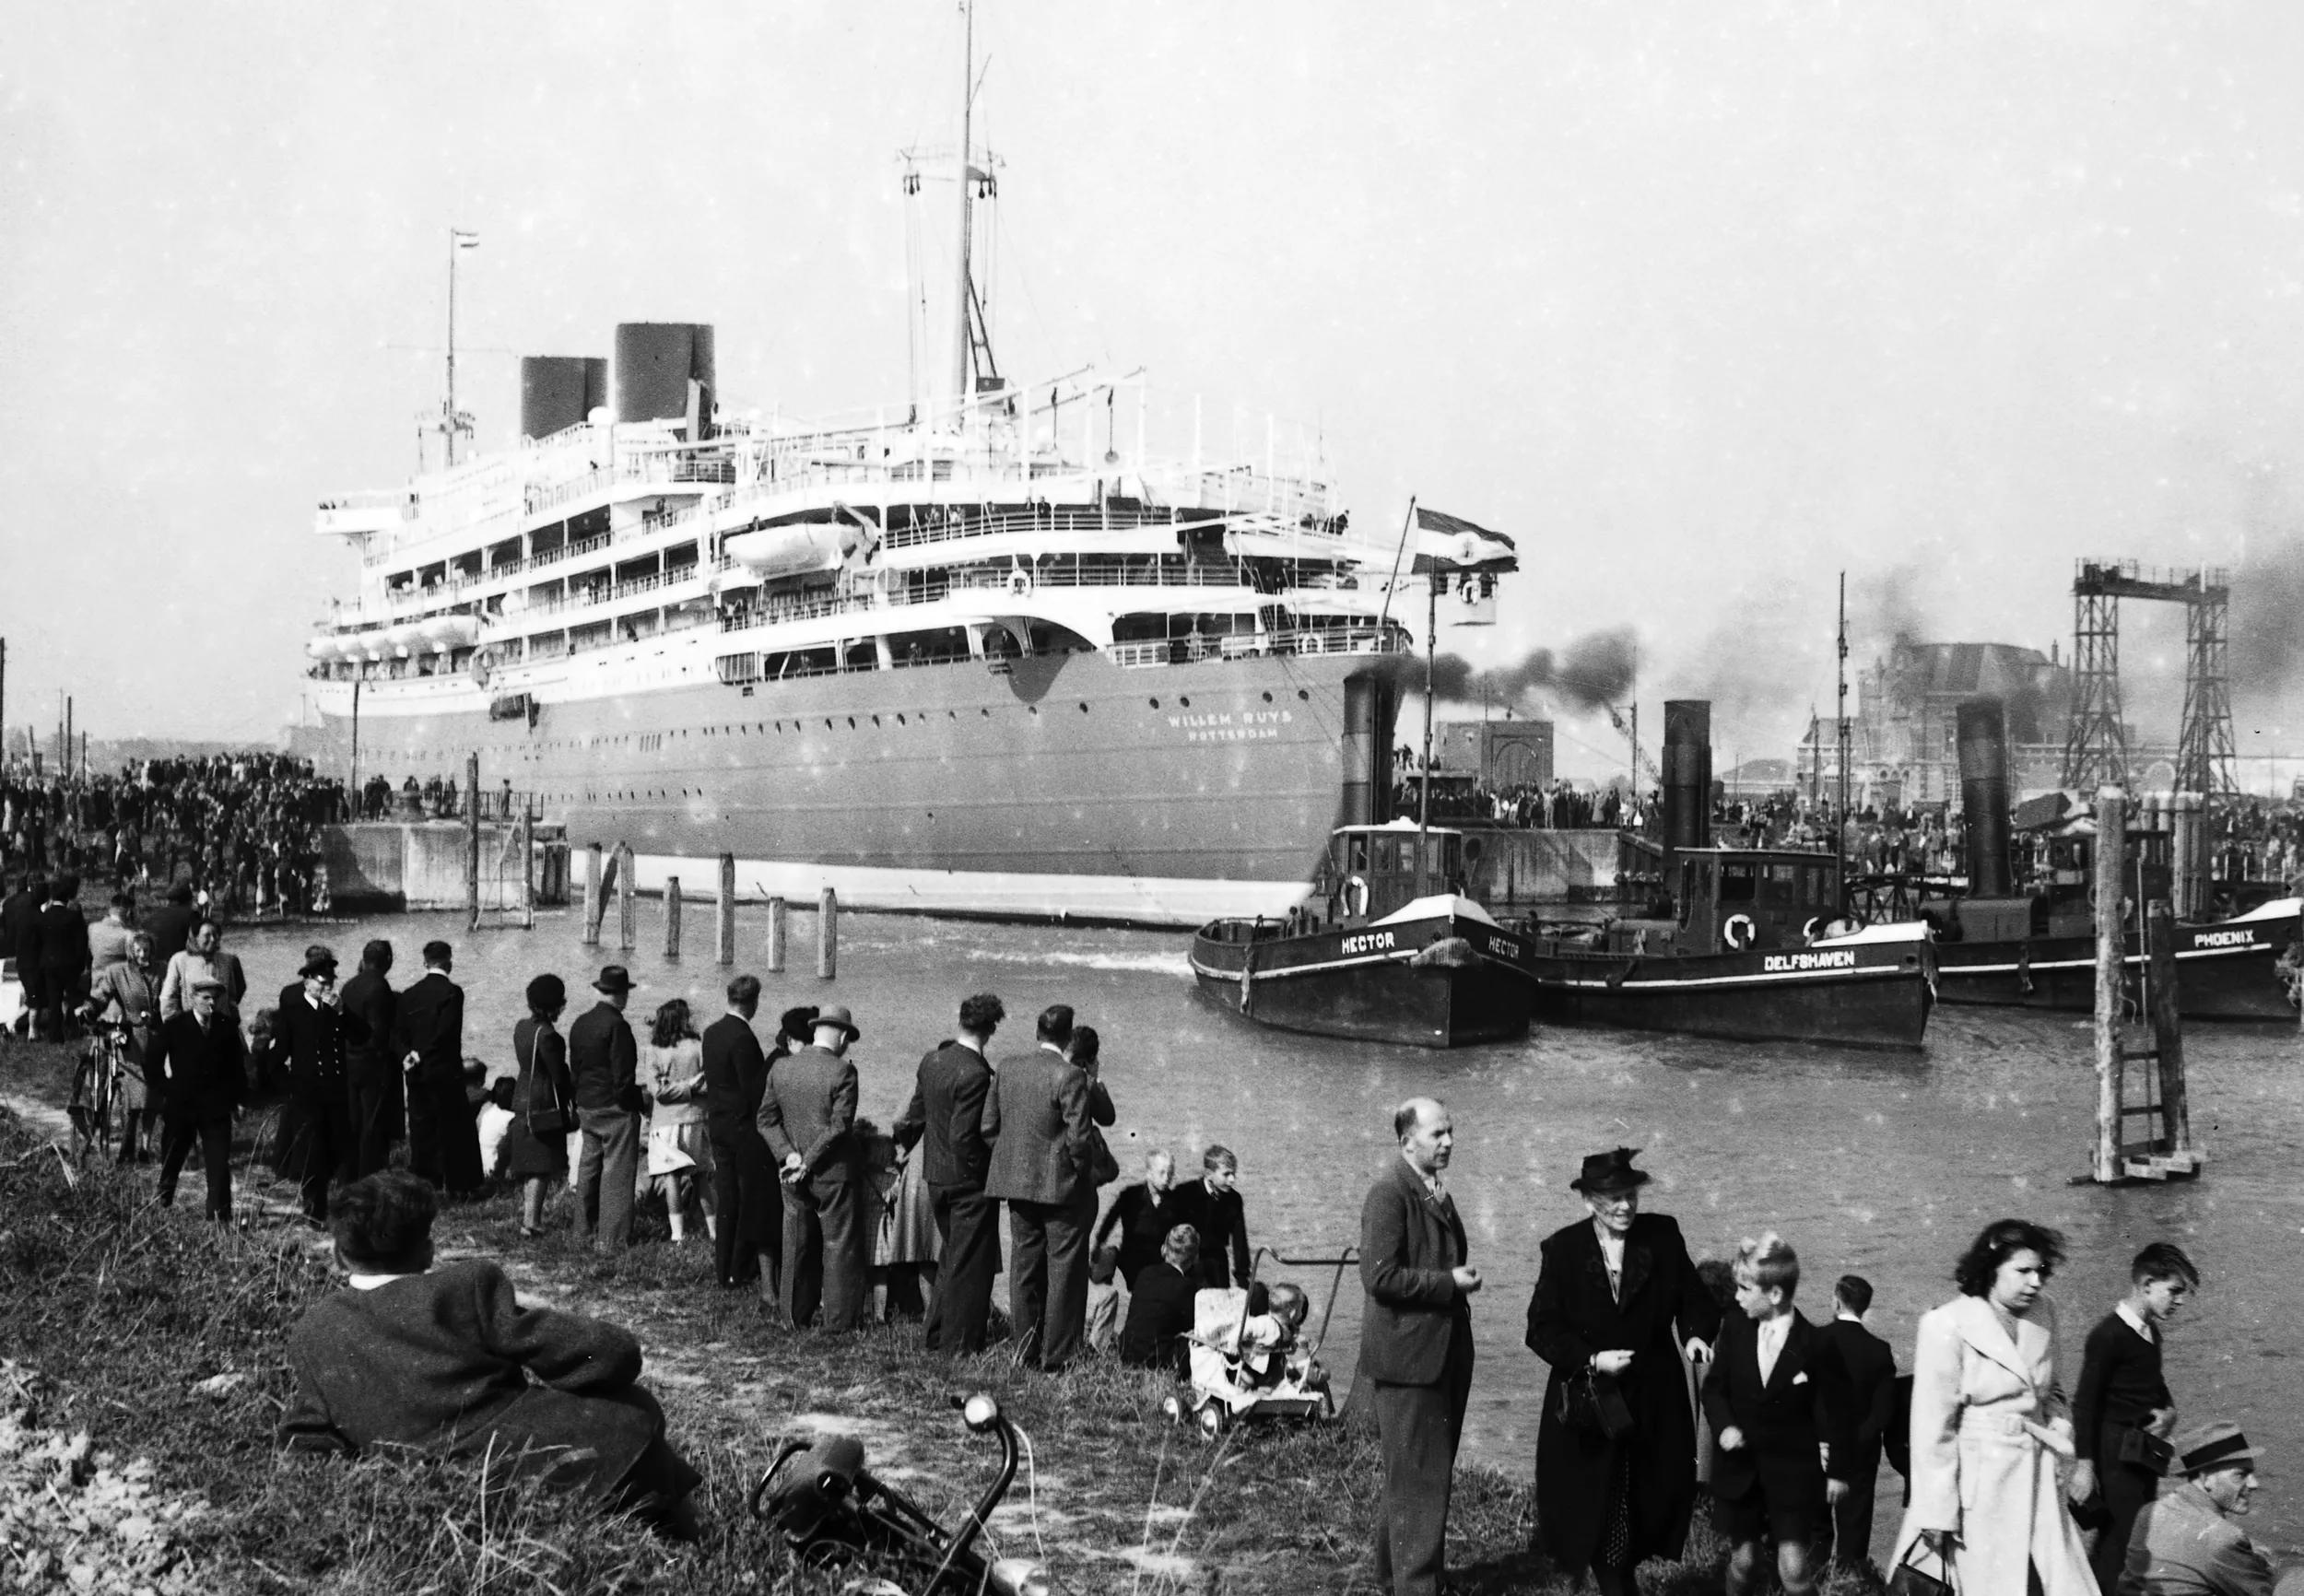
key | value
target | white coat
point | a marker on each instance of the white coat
(1977, 1472)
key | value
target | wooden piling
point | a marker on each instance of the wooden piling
(2167, 1033)
(724, 913)
(672, 916)
(472, 842)
(827, 934)
(527, 867)
(2111, 852)
(775, 936)
(594, 904)
(626, 922)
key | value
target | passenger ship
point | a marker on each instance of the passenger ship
(981, 656)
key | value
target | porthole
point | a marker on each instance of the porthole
(1184, 702)
(1155, 703)
(1084, 708)
(1303, 695)
(1267, 698)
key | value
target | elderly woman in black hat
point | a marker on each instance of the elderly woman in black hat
(1617, 1304)
(544, 1102)
(448, 1360)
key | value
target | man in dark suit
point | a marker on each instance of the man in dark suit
(735, 1075)
(369, 1008)
(202, 1064)
(61, 936)
(1416, 1344)
(1869, 1367)
(807, 1117)
(604, 1064)
(1037, 1119)
(20, 912)
(443, 1140)
(947, 1113)
(171, 924)
(308, 1049)
(1774, 1397)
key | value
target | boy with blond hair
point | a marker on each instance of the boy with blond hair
(1775, 1397)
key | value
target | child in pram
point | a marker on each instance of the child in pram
(1250, 1359)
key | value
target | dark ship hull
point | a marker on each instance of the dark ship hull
(1441, 980)
(1872, 990)
(2225, 969)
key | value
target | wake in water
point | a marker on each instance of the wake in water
(1169, 964)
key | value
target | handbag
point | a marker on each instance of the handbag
(1592, 1403)
(1907, 1581)
(555, 1120)
(1103, 1168)
(2146, 1450)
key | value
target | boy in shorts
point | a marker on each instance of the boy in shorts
(1775, 1397)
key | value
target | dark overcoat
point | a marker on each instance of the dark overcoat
(1571, 1316)
(449, 1361)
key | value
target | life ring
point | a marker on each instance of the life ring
(1019, 582)
(1355, 895)
(482, 668)
(1807, 932)
(1738, 931)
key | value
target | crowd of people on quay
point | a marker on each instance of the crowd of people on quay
(243, 828)
(1668, 1377)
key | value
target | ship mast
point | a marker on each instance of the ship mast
(963, 291)
(1840, 826)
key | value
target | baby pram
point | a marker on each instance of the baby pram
(1252, 1367)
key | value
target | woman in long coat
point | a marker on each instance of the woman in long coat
(1609, 1292)
(1989, 1425)
(535, 1147)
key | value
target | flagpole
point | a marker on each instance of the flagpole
(453, 243)
(1406, 528)
(1424, 799)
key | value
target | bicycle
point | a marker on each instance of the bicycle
(832, 1513)
(99, 1108)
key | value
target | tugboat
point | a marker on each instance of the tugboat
(2036, 947)
(1388, 962)
(1745, 944)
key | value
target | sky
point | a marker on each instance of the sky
(1702, 304)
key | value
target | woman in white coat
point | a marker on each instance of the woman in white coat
(1990, 1425)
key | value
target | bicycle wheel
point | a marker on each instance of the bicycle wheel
(117, 1112)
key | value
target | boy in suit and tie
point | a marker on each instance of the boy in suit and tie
(1774, 1395)
(1870, 1367)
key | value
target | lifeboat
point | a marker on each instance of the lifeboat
(769, 552)
(323, 651)
(443, 633)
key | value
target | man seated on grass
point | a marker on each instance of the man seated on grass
(445, 1359)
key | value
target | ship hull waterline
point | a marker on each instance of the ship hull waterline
(1061, 787)
(2225, 970)
(1880, 1000)
(1438, 983)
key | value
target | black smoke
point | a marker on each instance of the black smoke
(1591, 672)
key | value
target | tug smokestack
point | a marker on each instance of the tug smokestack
(1688, 773)
(1982, 738)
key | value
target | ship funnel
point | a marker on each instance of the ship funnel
(656, 361)
(1688, 772)
(1982, 738)
(559, 391)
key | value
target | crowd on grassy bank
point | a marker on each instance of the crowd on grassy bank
(1679, 1393)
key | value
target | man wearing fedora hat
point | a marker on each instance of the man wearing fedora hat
(604, 1063)
(807, 1114)
(2184, 1543)
(202, 1066)
(308, 1051)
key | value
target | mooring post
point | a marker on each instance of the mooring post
(724, 913)
(527, 867)
(827, 934)
(775, 936)
(627, 923)
(672, 916)
(2111, 851)
(2167, 1033)
(594, 904)
(472, 840)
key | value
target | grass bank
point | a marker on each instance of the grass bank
(163, 1339)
